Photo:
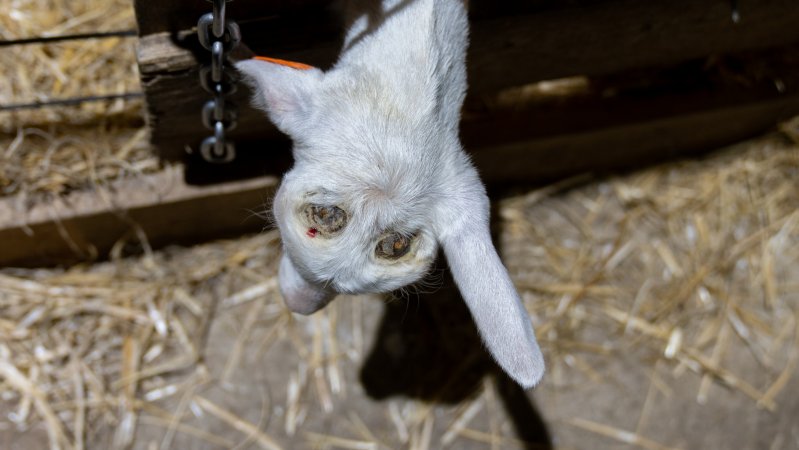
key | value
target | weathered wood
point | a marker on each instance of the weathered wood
(630, 145)
(591, 38)
(86, 225)
(595, 38)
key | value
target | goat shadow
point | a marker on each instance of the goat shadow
(427, 347)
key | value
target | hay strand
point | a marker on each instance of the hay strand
(620, 435)
(236, 422)
(18, 381)
(48, 151)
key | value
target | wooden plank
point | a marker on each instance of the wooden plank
(624, 120)
(602, 37)
(593, 38)
(630, 145)
(86, 225)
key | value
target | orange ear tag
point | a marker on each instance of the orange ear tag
(283, 62)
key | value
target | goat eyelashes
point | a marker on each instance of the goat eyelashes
(380, 178)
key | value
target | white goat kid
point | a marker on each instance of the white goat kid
(380, 177)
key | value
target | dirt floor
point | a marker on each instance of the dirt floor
(665, 301)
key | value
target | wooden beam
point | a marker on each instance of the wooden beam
(630, 145)
(596, 38)
(86, 225)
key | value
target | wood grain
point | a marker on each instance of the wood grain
(86, 225)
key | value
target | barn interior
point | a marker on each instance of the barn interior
(641, 159)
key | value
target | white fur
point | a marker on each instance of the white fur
(377, 136)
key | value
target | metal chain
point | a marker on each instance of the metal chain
(219, 35)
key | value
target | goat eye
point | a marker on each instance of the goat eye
(393, 246)
(328, 219)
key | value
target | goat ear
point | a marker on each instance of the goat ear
(492, 299)
(285, 93)
(301, 296)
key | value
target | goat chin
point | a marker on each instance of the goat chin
(380, 179)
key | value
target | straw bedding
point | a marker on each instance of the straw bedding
(679, 265)
(44, 150)
(684, 275)
(687, 267)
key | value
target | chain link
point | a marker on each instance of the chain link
(219, 35)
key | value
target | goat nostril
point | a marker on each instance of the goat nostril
(327, 219)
